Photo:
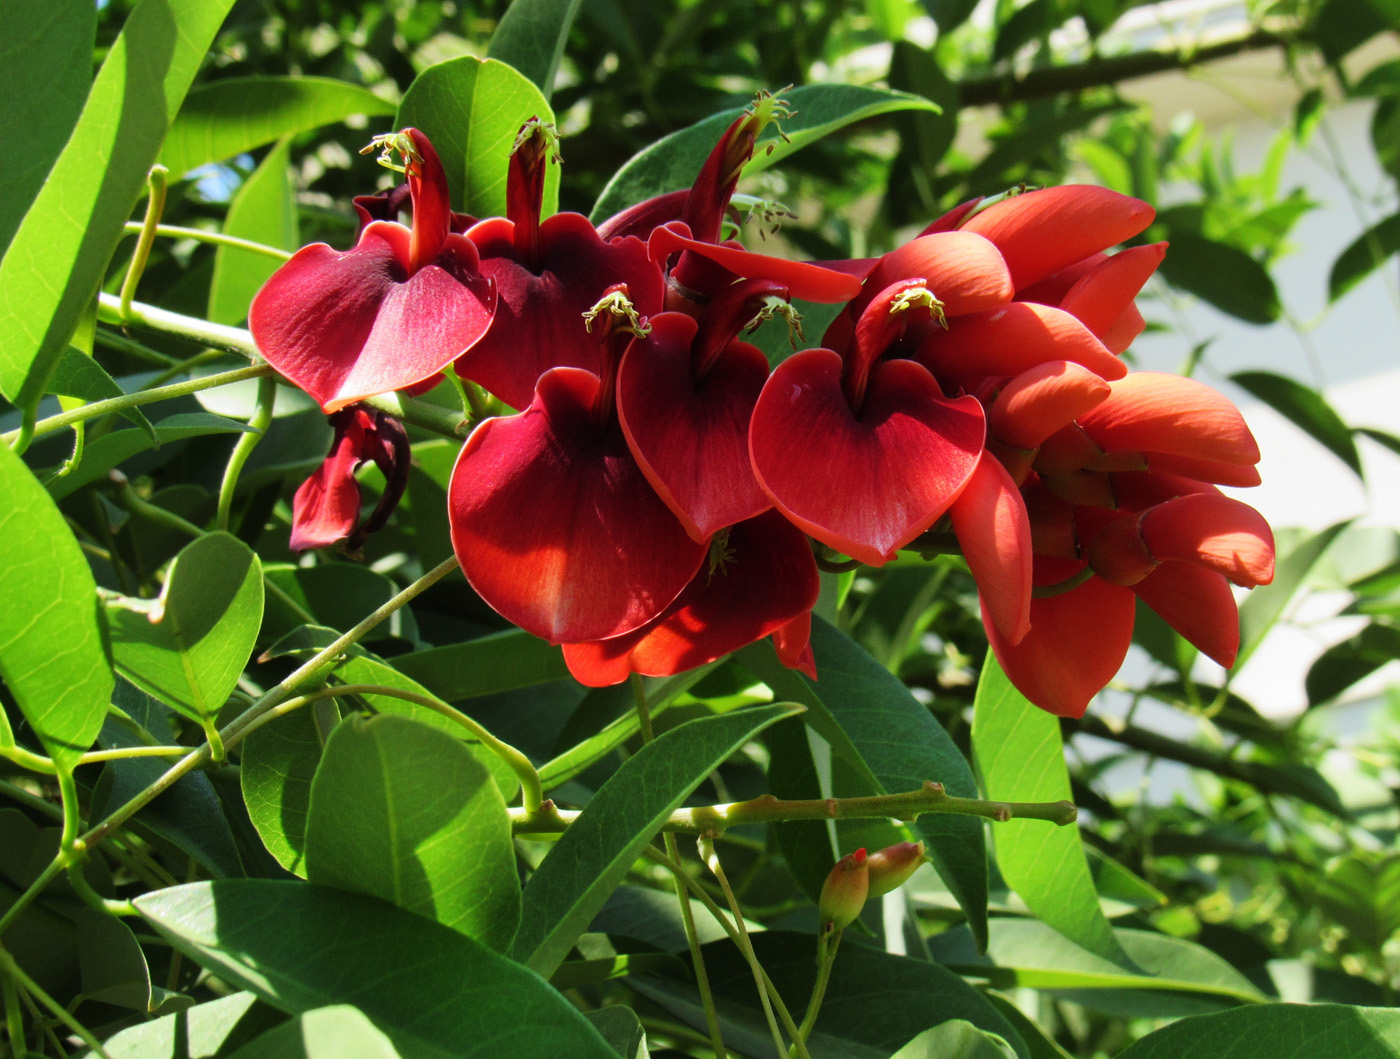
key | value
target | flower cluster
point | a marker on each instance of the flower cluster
(650, 505)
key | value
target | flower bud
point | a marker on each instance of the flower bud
(890, 867)
(843, 893)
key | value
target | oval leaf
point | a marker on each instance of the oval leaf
(264, 210)
(472, 110)
(405, 813)
(1278, 1031)
(301, 947)
(338, 1031)
(52, 656)
(531, 37)
(1305, 408)
(188, 648)
(1021, 757)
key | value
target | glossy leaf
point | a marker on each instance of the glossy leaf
(872, 720)
(955, 1039)
(1265, 605)
(45, 72)
(1021, 758)
(56, 260)
(236, 114)
(301, 947)
(531, 36)
(210, 1029)
(1342, 665)
(1306, 409)
(593, 856)
(1278, 1031)
(472, 110)
(621, 1028)
(1221, 274)
(497, 662)
(276, 765)
(875, 1002)
(53, 655)
(1366, 253)
(263, 210)
(672, 162)
(79, 375)
(189, 647)
(405, 813)
(112, 965)
(338, 1031)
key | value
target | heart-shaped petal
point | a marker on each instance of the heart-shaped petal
(691, 436)
(765, 579)
(555, 525)
(539, 316)
(868, 483)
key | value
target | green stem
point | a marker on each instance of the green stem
(14, 1017)
(243, 448)
(11, 969)
(173, 231)
(532, 791)
(706, 844)
(907, 805)
(673, 853)
(17, 793)
(127, 497)
(313, 669)
(119, 343)
(826, 956)
(155, 206)
(27, 759)
(190, 328)
(140, 397)
(423, 414)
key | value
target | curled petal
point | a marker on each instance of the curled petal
(645, 217)
(1103, 297)
(1041, 401)
(1151, 411)
(345, 326)
(691, 436)
(326, 507)
(1076, 643)
(1013, 339)
(556, 527)
(807, 281)
(539, 317)
(1214, 531)
(1198, 604)
(1041, 232)
(793, 644)
(869, 483)
(765, 579)
(1236, 474)
(994, 532)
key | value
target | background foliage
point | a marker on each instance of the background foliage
(1265, 871)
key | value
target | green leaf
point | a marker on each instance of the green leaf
(263, 210)
(340, 594)
(111, 963)
(200, 1032)
(955, 1039)
(498, 662)
(236, 114)
(621, 1028)
(672, 162)
(405, 813)
(1021, 757)
(1266, 604)
(189, 647)
(45, 72)
(595, 853)
(874, 1002)
(337, 1031)
(1343, 664)
(78, 375)
(53, 653)
(1223, 275)
(872, 720)
(276, 765)
(1278, 1031)
(472, 110)
(301, 947)
(1181, 977)
(531, 36)
(1307, 409)
(111, 449)
(51, 272)
(1368, 252)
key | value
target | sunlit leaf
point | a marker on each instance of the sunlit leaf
(531, 36)
(1305, 408)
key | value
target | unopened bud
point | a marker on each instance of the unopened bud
(890, 867)
(843, 893)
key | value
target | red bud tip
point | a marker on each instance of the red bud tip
(843, 893)
(891, 867)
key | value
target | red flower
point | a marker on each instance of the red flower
(393, 311)
(326, 508)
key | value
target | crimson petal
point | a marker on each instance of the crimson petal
(864, 484)
(556, 527)
(810, 282)
(769, 580)
(347, 325)
(691, 436)
(539, 317)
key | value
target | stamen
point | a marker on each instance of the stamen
(619, 307)
(775, 306)
(917, 294)
(387, 144)
(548, 133)
(721, 555)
